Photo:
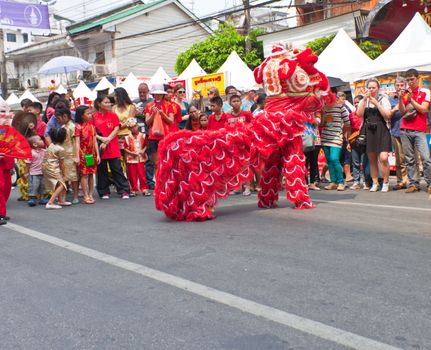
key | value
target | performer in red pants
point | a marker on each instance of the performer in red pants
(6, 166)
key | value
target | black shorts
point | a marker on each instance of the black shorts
(153, 146)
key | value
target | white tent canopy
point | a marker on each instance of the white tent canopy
(83, 91)
(13, 100)
(103, 85)
(61, 90)
(29, 95)
(160, 77)
(192, 70)
(131, 84)
(412, 49)
(240, 75)
(342, 58)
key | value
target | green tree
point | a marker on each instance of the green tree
(214, 50)
(320, 44)
(371, 49)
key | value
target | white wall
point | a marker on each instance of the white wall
(8, 45)
(300, 36)
(144, 54)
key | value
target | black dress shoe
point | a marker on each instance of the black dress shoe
(2, 221)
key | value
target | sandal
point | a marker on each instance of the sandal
(88, 200)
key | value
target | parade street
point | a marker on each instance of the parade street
(352, 273)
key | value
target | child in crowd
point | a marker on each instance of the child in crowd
(203, 121)
(86, 151)
(135, 146)
(34, 171)
(64, 117)
(218, 118)
(53, 168)
(260, 104)
(36, 108)
(25, 105)
(237, 115)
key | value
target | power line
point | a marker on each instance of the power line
(175, 39)
(339, 4)
(156, 31)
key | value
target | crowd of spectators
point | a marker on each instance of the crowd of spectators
(114, 143)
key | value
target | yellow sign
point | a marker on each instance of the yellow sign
(205, 82)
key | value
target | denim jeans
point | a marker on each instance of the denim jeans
(412, 140)
(359, 157)
(332, 155)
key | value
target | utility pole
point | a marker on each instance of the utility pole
(3, 73)
(247, 24)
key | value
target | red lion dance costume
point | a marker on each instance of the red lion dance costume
(196, 168)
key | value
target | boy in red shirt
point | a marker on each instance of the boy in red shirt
(236, 115)
(36, 108)
(218, 119)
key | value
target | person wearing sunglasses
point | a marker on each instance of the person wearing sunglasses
(182, 114)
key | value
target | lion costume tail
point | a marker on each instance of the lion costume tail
(196, 168)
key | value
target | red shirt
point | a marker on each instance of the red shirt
(420, 122)
(40, 128)
(167, 108)
(49, 112)
(105, 124)
(176, 109)
(355, 121)
(242, 117)
(214, 124)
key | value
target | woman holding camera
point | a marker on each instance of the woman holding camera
(375, 110)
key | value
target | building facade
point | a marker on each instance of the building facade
(136, 38)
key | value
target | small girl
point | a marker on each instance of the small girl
(34, 171)
(86, 151)
(64, 117)
(203, 121)
(135, 146)
(53, 167)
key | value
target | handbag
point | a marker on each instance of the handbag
(361, 140)
(308, 142)
(353, 138)
(89, 159)
(158, 128)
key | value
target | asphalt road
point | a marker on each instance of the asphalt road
(354, 270)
